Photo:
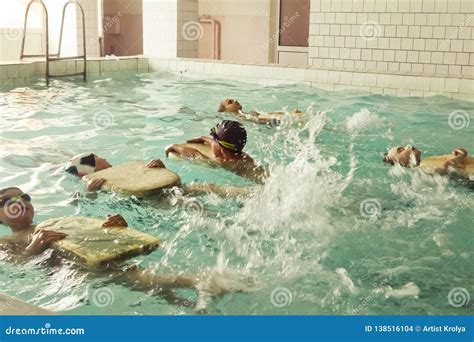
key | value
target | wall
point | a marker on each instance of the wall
(169, 28)
(187, 44)
(245, 29)
(21, 74)
(130, 40)
(93, 16)
(332, 80)
(428, 37)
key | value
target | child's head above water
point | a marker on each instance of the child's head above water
(230, 106)
(16, 210)
(230, 136)
(405, 156)
(86, 163)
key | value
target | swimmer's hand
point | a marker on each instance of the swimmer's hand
(460, 152)
(95, 184)
(41, 239)
(200, 140)
(116, 221)
(459, 155)
(156, 163)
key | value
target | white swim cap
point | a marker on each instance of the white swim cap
(81, 165)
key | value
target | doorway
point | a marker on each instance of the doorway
(293, 32)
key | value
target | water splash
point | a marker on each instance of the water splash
(285, 223)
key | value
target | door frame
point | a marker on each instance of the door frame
(277, 48)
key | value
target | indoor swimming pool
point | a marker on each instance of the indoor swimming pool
(332, 231)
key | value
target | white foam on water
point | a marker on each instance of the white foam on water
(346, 280)
(428, 194)
(408, 290)
(287, 219)
(363, 119)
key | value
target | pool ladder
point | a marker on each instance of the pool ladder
(57, 56)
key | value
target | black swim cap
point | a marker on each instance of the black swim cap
(231, 135)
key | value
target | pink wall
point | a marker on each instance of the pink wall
(242, 39)
(245, 29)
(130, 40)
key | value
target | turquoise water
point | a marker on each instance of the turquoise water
(333, 230)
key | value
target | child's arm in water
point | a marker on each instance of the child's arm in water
(459, 154)
(146, 280)
(41, 239)
(185, 151)
(201, 140)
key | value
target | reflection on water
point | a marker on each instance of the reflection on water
(333, 230)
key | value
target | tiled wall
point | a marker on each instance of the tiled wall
(430, 37)
(189, 30)
(91, 11)
(170, 28)
(20, 74)
(275, 74)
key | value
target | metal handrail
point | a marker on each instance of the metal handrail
(55, 57)
(22, 53)
(83, 35)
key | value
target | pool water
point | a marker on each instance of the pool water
(332, 231)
